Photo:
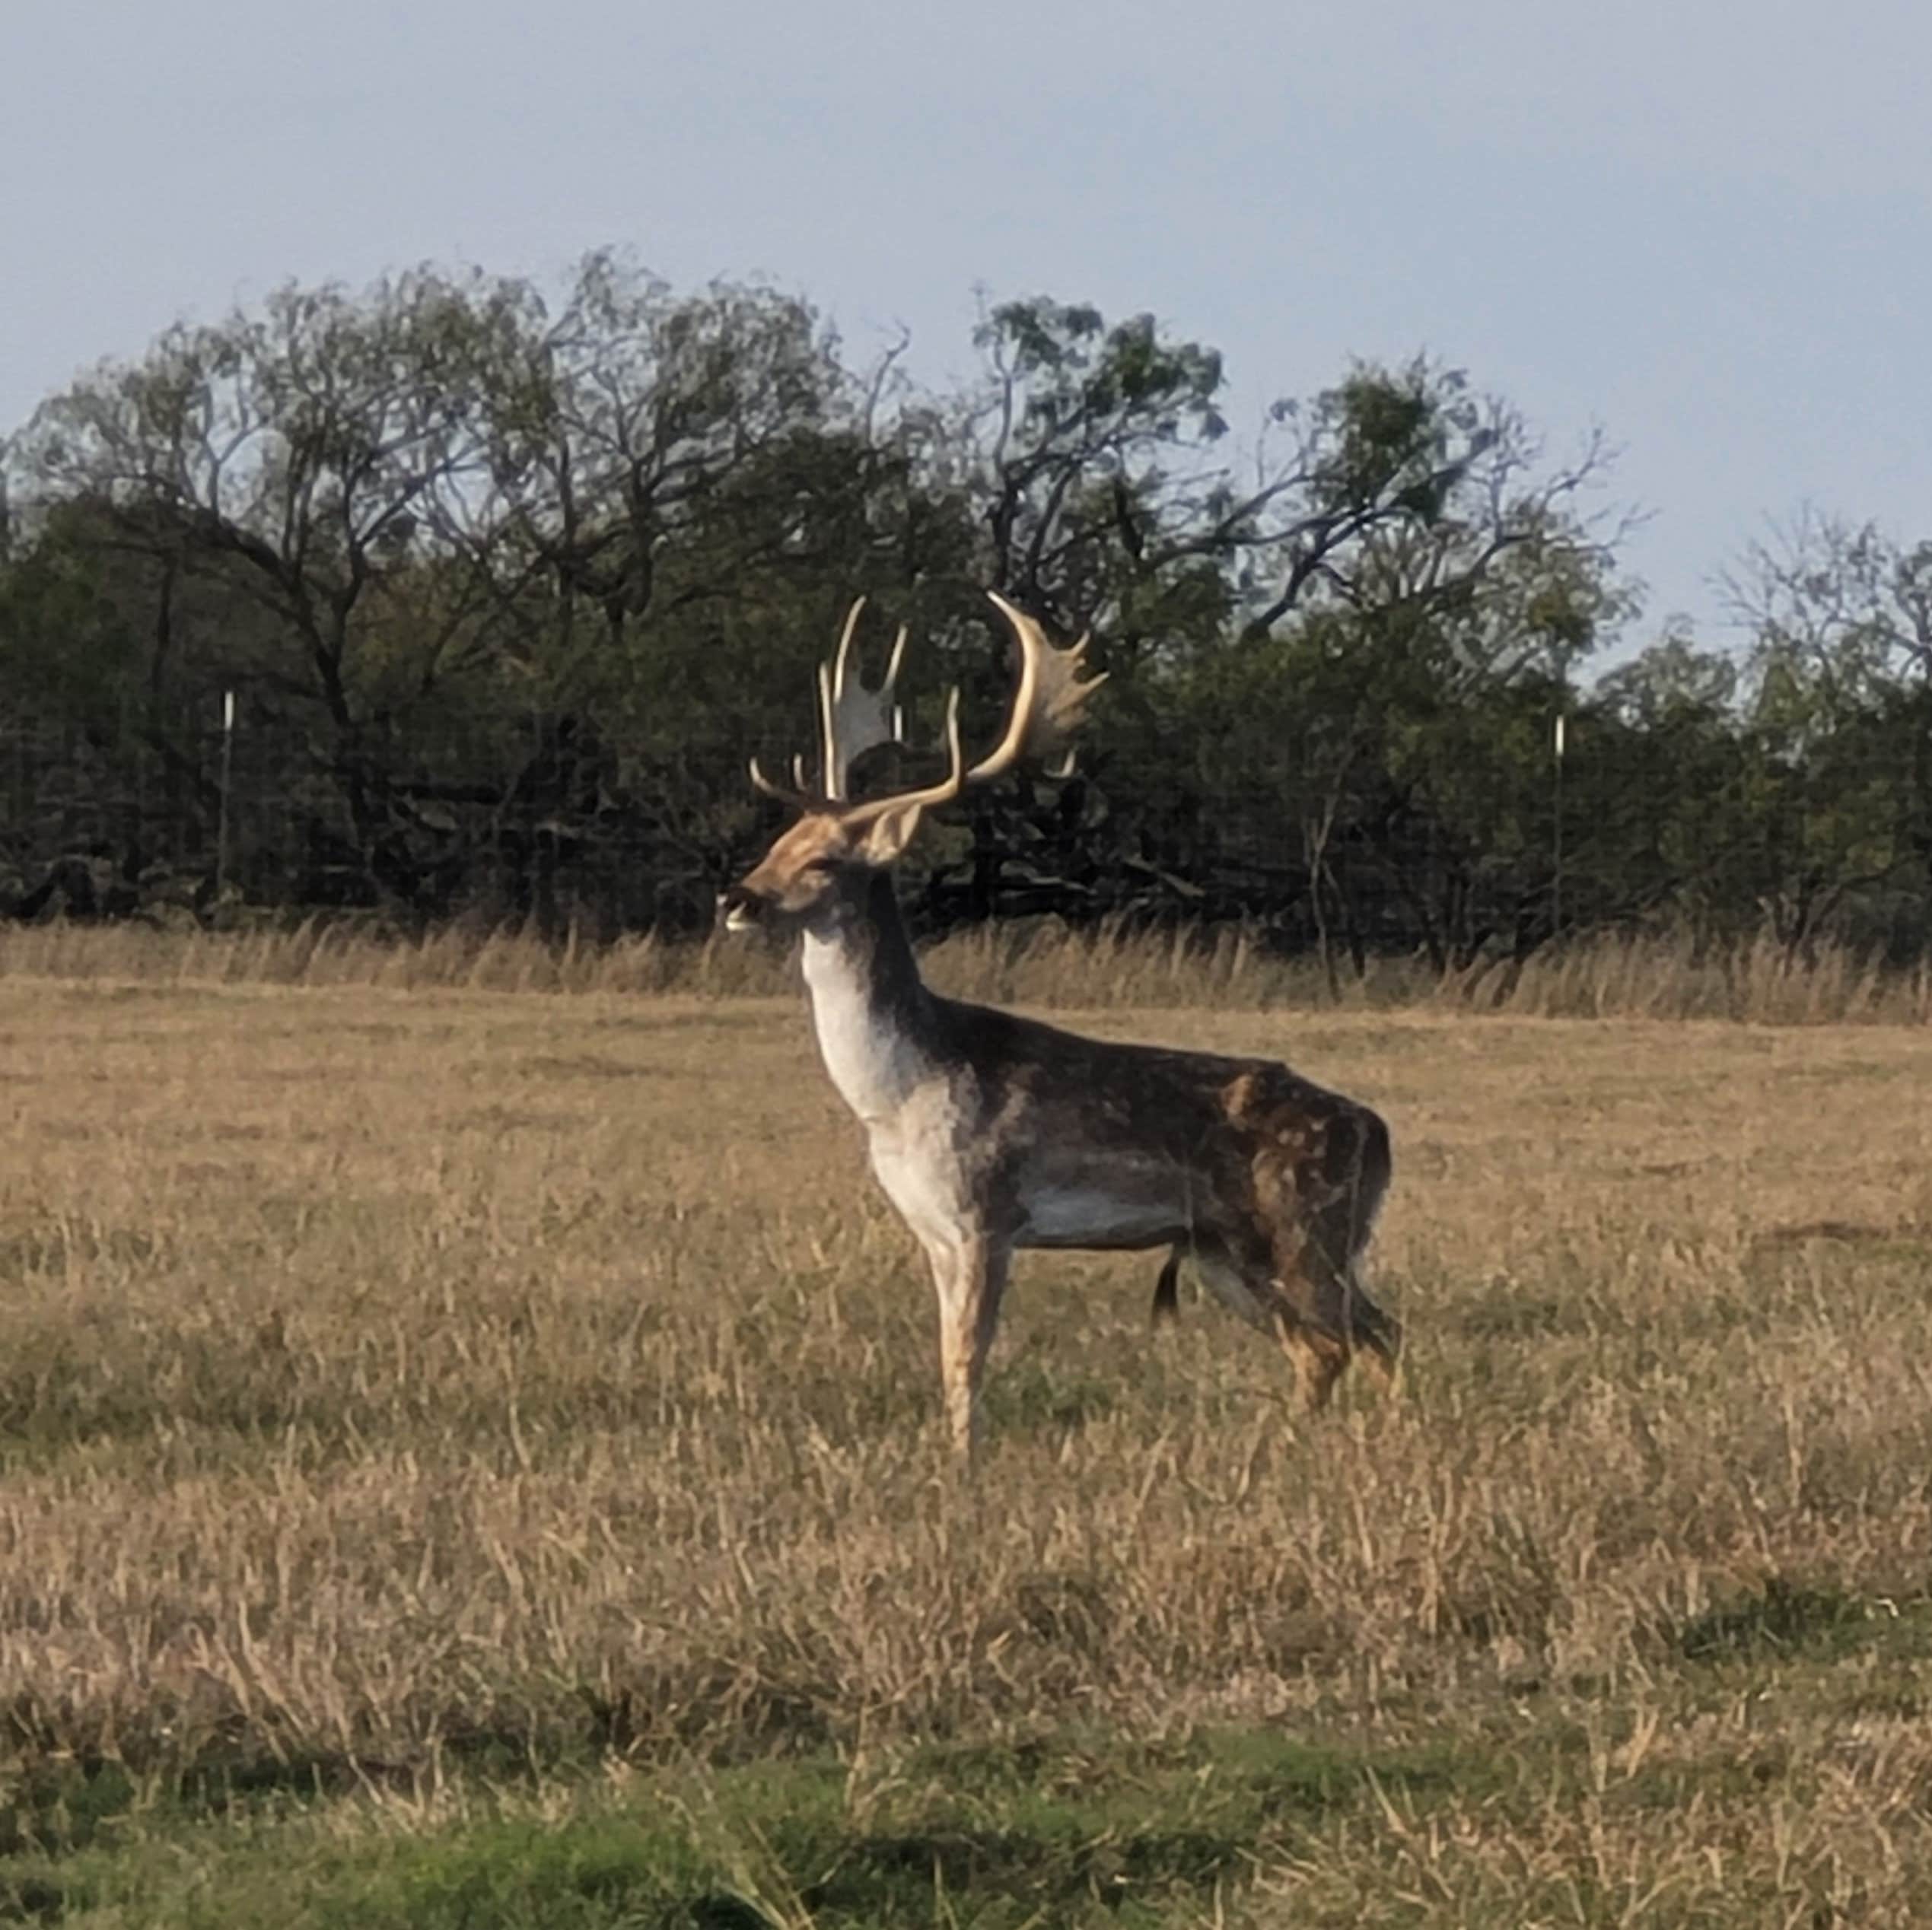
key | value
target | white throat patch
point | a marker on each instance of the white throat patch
(874, 1063)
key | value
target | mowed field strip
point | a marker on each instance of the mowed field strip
(429, 1415)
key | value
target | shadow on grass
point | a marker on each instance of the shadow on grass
(54, 1803)
(1788, 1618)
(1032, 1397)
(893, 1878)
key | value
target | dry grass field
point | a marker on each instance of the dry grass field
(471, 1457)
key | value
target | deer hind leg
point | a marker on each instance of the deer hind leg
(1313, 1326)
(1166, 1290)
(1318, 1200)
(1325, 1318)
(1246, 1275)
(1375, 1335)
(1238, 1278)
(969, 1274)
(1358, 1170)
(1279, 1278)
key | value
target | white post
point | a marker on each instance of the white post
(1556, 832)
(227, 767)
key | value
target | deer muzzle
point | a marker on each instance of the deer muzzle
(738, 910)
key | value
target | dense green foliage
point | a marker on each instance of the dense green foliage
(507, 587)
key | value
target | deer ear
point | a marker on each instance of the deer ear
(888, 833)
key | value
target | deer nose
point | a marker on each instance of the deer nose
(737, 907)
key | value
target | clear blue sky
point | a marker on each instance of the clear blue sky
(1706, 229)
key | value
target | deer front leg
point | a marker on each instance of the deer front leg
(969, 1274)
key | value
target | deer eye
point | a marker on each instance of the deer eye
(822, 865)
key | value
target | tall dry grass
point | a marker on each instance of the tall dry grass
(392, 1381)
(1644, 975)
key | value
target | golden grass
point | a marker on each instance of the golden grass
(1641, 975)
(386, 1376)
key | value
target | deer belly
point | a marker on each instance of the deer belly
(1081, 1211)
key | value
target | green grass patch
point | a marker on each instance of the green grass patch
(1067, 1829)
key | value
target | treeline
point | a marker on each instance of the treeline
(506, 589)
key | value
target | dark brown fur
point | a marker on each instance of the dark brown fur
(1289, 1176)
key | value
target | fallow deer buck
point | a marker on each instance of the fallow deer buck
(990, 1132)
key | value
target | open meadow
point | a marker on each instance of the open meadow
(472, 1458)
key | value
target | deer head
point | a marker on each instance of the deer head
(824, 862)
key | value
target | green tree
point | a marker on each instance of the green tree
(1838, 692)
(1417, 596)
(288, 459)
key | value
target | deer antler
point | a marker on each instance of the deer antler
(1049, 704)
(852, 720)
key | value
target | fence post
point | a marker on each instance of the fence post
(227, 770)
(1556, 827)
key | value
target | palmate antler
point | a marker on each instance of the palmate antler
(852, 720)
(1049, 704)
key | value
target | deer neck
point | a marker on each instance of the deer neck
(873, 1016)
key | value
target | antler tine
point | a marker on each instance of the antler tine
(1049, 704)
(797, 798)
(853, 720)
